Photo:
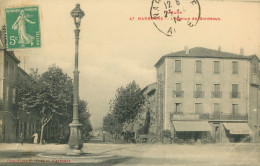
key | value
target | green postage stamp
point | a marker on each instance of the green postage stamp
(23, 27)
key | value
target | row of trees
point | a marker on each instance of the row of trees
(124, 108)
(50, 96)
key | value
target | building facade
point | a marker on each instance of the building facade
(206, 93)
(8, 77)
(12, 121)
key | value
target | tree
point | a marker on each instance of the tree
(49, 96)
(111, 125)
(54, 97)
(128, 103)
(84, 118)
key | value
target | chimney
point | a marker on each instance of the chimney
(186, 49)
(242, 51)
(219, 48)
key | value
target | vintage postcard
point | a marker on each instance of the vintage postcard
(133, 82)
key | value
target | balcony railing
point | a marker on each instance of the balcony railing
(178, 94)
(207, 116)
(198, 94)
(234, 94)
(216, 94)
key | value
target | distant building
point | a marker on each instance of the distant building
(204, 93)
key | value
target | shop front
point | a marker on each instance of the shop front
(194, 131)
(237, 132)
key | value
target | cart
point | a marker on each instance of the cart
(147, 138)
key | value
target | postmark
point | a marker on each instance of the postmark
(170, 15)
(23, 27)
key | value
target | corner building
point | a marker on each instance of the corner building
(204, 93)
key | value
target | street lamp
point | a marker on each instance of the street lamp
(75, 141)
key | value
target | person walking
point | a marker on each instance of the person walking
(21, 138)
(35, 140)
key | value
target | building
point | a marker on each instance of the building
(8, 76)
(205, 93)
(150, 113)
(12, 121)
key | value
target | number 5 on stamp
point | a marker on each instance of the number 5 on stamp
(23, 27)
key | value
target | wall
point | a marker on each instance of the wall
(161, 96)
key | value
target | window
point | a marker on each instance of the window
(178, 90)
(234, 109)
(7, 94)
(216, 91)
(198, 87)
(178, 108)
(177, 65)
(234, 93)
(7, 68)
(216, 87)
(216, 111)
(235, 67)
(198, 93)
(198, 67)
(198, 108)
(178, 86)
(255, 68)
(216, 67)
(13, 95)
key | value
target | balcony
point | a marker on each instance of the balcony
(234, 94)
(216, 94)
(178, 94)
(198, 94)
(207, 116)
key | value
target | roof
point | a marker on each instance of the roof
(238, 128)
(200, 52)
(22, 71)
(149, 87)
(191, 126)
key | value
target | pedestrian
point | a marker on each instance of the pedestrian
(21, 138)
(35, 140)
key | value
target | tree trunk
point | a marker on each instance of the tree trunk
(43, 125)
(42, 128)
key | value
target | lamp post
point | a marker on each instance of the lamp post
(75, 141)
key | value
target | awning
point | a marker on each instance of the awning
(238, 128)
(191, 126)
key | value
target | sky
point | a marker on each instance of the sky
(114, 50)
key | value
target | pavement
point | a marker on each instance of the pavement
(107, 154)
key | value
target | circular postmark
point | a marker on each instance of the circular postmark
(169, 15)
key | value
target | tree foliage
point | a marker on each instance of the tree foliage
(84, 117)
(49, 96)
(111, 125)
(127, 104)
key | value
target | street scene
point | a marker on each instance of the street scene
(133, 83)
